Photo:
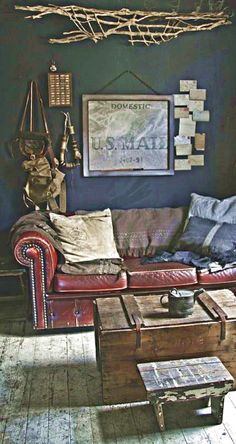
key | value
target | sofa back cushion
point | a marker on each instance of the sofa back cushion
(222, 211)
(142, 232)
(86, 237)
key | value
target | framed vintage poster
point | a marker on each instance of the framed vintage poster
(126, 135)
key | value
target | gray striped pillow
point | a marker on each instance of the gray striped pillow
(208, 238)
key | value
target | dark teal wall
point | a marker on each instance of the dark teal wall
(208, 57)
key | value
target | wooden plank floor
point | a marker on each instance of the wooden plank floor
(51, 393)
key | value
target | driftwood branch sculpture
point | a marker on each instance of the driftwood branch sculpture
(148, 27)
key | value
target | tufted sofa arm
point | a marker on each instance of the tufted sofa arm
(35, 251)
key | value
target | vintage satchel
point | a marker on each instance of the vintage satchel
(30, 141)
(42, 185)
(44, 182)
(33, 143)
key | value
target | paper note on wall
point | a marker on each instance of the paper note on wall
(196, 105)
(183, 150)
(200, 141)
(182, 164)
(181, 99)
(181, 113)
(196, 160)
(201, 116)
(182, 140)
(187, 127)
(197, 94)
(186, 85)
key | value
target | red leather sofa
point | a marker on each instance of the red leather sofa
(62, 300)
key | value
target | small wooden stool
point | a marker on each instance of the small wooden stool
(186, 379)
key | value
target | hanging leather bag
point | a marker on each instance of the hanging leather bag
(32, 142)
(42, 186)
(44, 182)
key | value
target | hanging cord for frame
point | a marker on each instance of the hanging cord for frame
(69, 134)
(121, 75)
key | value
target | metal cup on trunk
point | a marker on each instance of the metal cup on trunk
(180, 302)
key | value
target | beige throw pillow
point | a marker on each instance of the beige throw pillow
(86, 237)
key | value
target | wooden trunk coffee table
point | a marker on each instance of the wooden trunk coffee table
(130, 330)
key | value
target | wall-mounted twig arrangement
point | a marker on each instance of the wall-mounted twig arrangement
(148, 27)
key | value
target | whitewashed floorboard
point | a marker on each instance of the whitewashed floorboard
(191, 438)
(4, 335)
(218, 434)
(103, 429)
(230, 418)
(59, 414)
(51, 393)
(92, 374)
(83, 433)
(125, 429)
(146, 423)
(232, 397)
(173, 437)
(5, 330)
(38, 417)
(17, 365)
(80, 419)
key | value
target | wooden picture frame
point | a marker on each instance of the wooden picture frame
(128, 135)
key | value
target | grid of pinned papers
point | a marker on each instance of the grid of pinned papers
(189, 110)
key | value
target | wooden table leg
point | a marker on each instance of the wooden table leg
(217, 407)
(159, 415)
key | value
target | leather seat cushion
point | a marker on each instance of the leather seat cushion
(221, 277)
(159, 275)
(89, 282)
